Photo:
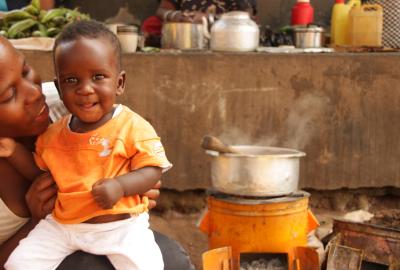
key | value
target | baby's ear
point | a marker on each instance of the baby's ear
(57, 86)
(121, 83)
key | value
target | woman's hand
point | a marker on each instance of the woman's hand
(153, 194)
(41, 196)
(7, 146)
(194, 16)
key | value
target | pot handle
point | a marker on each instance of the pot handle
(206, 33)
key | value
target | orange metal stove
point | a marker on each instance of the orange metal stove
(251, 226)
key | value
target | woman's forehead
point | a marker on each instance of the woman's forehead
(11, 62)
(9, 55)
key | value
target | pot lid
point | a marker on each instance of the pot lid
(235, 15)
(310, 28)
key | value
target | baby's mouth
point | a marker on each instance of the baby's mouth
(88, 106)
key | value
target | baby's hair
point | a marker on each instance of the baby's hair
(89, 29)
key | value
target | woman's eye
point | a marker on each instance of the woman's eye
(98, 77)
(25, 70)
(7, 95)
(71, 80)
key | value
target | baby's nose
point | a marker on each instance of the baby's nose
(85, 89)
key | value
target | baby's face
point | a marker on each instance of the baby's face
(88, 78)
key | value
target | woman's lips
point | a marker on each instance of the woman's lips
(43, 113)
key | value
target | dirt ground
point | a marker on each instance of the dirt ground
(177, 213)
(183, 229)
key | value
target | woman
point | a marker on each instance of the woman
(194, 10)
(22, 205)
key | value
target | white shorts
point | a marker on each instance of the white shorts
(128, 244)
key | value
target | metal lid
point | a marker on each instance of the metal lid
(236, 15)
(310, 28)
(127, 29)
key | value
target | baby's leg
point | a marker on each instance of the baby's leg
(44, 248)
(131, 246)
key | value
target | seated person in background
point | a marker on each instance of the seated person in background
(6, 5)
(101, 156)
(194, 10)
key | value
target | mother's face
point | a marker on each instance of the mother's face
(23, 111)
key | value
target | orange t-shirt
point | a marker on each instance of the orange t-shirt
(77, 160)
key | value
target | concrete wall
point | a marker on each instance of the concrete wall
(275, 13)
(343, 110)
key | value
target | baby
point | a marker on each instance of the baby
(101, 156)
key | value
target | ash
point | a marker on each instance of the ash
(262, 264)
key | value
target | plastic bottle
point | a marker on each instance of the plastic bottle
(365, 25)
(340, 20)
(302, 13)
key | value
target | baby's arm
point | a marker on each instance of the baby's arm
(20, 158)
(107, 192)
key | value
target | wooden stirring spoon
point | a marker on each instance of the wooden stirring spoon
(213, 143)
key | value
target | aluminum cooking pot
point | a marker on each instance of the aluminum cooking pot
(257, 171)
(184, 36)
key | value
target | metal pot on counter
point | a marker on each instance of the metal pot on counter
(184, 36)
(234, 32)
(309, 36)
(256, 170)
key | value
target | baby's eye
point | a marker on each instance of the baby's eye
(71, 80)
(98, 77)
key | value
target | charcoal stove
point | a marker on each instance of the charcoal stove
(260, 228)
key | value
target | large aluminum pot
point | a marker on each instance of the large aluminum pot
(235, 32)
(259, 171)
(183, 36)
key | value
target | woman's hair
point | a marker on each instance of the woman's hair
(89, 29)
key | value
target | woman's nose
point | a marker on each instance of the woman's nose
(33, 91)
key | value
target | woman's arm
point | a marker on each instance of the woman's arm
(19, 157)
(40, 199)
(165, 8)
(107, 192)
(169, 12)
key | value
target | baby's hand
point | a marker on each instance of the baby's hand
(7, 146)
(107, 192)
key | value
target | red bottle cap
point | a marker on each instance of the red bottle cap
(339, 1)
